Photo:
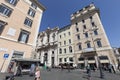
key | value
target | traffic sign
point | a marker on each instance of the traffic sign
(6, 55)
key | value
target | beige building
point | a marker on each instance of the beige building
(65, 45)
(90, 40)
(19, 25)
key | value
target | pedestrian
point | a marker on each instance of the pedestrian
(15, 69)
(19, 70)
(113, 69)
(68, 66)
(61, 66)
(37, 74)
(32, 70)
(48, 67)
(110, 68)
(88, 72)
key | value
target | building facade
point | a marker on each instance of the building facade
(19, 26)
(90, 40)
(65, 45)
(80, 43)
(46, 48)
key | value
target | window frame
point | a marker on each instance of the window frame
(2, 26)
(22, 32)
(77, 29)
(70, 49)
(5, 10)
(86, 35)
(33, 5)
(84, 27)
(28, 22)
(95, 32)
(12, 2)
(60, 51)
(99, 44)
(78, 37)
(79, 46)
(31, 12)
(88, 45)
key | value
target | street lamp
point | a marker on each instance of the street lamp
(68, 64)
(99, 63)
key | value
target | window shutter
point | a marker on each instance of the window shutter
(10, 11)
(20, 36)
(27, 38)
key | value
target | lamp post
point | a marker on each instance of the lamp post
(68, 64)
(99, 63)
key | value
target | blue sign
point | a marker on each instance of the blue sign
(6, 56)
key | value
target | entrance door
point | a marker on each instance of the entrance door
(53, 61)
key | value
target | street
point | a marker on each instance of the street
(57, 74)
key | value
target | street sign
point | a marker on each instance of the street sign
(6, 56)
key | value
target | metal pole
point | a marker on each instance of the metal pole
(99, 64)
(2, 65)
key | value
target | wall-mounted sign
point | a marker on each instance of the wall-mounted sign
(3, 49)
(6, 55)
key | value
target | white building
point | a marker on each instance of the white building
(47, 47)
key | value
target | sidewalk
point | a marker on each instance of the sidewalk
(3, 75)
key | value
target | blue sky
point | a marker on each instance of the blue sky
(58, 14)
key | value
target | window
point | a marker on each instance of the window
(69, 33)
(34, 6)
(99, 43)
(71, 59)
(103, 57)
(88, 45)
(65, 60)
(69, 41)
(31, 12)
(86, 35)
(23, 37)
(1, 27)
(60, 51)
(60, 36)
(96, 32)
(13, 2)
(64, 35)
(83, 21)
(90, 17)
(64, 42)
(76, 24)
(28, 22)
(78, 37)
(53, 52)
(70, 49)
(93, 24)
(79, 47)
(60, 59)
(45, 57)
(77, 29)
(91, 58)
(5, 10)
(65, 50)
(84, 26)
(81, 59)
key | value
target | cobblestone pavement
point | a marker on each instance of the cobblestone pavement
(57, 74)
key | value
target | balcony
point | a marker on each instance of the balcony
(87, 50)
